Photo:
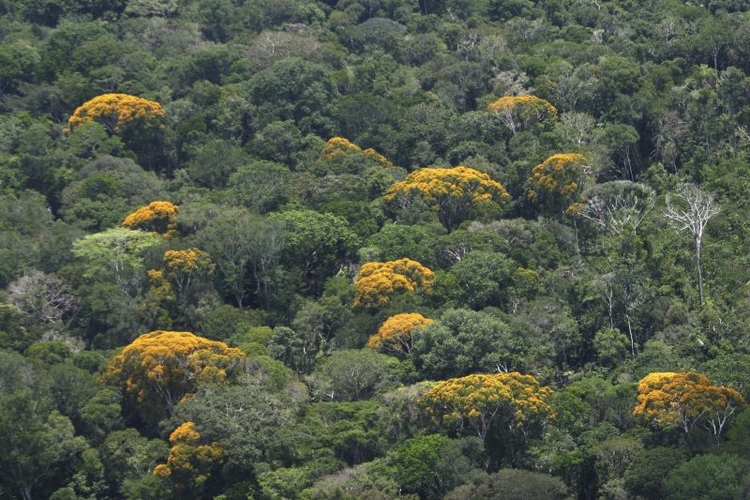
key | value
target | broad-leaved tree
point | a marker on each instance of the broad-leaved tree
(379, 281)
(481, 400)
(159, 217)
(685, 399)
(455, 194)
(396, 334)
(158, 369)
(115, 110)
(557, 181)
(520, 112)
(189, 462)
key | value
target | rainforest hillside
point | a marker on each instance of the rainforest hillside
(374, 249)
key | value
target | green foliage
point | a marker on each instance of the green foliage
(288, 132)
(463, 341)
(707, 476)
(349, 375)
(318, 245)
(38, 439)
(514, 484)
(647, 470)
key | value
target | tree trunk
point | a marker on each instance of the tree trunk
(698, 266)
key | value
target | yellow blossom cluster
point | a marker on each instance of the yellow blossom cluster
(115, 110)
(525, 107)
(165, 366)
(476, 400)
(339, 147)
(159, 217)
(560, 177)
(454, 193)
(682, 399)
(379, 281)
(395, 334)
(189, 462)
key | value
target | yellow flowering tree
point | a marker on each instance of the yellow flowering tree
(395, 334)
(684, 399)
(481, 400)
(116, 110)
(558, 182)
(342, 155)
(454, 193)
(158, 217)
(183, 267)
(190, 461)
(520, 112)
(160, 368)
(379, 281)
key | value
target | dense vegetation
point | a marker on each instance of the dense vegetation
(306, 249)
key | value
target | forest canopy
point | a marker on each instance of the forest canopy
(306, 249)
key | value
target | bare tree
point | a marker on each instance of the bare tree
(614, 206)
(46, 301)
(701, 207)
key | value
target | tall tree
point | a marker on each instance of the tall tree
(455, 194)
(684, 399)
(379, 281)
(482, 400)
(397, 334)
(159, 368)
(115, 111)
(701, 207)
(522, 111)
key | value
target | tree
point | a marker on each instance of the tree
(320, 244)
(645, 474)
(617, 206)
(37, 441)
(483, 278)
(462, 341)
(128, 457)
(115, 111)
(116, 255)
(393, 241)
(379, 281)
(708, 477)
(456, 194)
(482, 400)
(251, 420)
(245, 248)
(189, 462)
(13, 333)
(184, 267)
(700, 209)
(351, 375)
(340, 155)
(558, 181)
(158, 369)
(17, 63)
(158, 217)
(297, 350)
(234, 239)
(46, 300)
(261, 185)
(522, 111)
(295, 89)
(415, 460)
(106, 189)
(684, 399)
(397, 334)
(513, 484)
(433, 464)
